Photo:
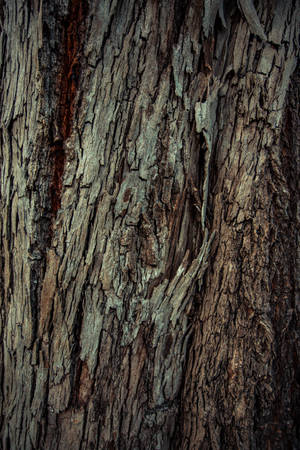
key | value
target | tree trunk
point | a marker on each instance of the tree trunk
(150, 224)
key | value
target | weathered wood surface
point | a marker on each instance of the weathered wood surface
(149, 195)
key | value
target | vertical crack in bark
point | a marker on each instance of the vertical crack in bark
(68, 81)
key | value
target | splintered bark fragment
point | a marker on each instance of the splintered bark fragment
(206, 177)
(251, 16)
(221, 14)
(210, 12)
(205, 116)
(211, 8)
(204, 255)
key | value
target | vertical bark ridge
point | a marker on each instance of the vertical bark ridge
(24, 203)
(284, 428)
(132, 343)
(233, 393)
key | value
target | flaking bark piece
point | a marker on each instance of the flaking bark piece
(250, 14)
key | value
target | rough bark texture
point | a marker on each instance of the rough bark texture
(150, 224)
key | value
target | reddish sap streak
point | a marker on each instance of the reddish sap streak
(68, 79)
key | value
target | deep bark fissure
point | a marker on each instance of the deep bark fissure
(68, 82)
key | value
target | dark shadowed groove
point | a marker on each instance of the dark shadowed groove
(180, 9)
(68, 82)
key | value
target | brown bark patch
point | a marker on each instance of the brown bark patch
(85, 385)
(149, 250)
(48, 291)
(127, 195)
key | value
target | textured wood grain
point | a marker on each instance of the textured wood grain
(149, 272)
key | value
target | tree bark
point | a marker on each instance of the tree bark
(150, 224)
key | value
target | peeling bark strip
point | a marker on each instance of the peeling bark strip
(163, 315)
(68, 80)
(250, 14)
